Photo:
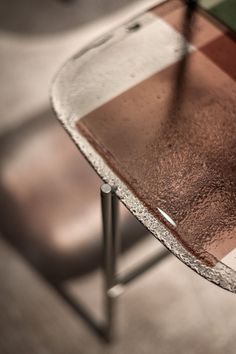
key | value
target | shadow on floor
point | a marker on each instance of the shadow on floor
(35, 17)
(49, 200)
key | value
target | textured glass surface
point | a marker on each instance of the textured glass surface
(166, 141)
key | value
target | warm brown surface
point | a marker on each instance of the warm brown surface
(168, 7)
(175, 147)
(223, 52)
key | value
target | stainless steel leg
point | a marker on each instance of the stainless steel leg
(113, 284)
(110, 216)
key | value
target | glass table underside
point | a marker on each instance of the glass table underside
(152, 107)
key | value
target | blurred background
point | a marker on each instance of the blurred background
(50, 209)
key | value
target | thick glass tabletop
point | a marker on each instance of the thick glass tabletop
(152, 106)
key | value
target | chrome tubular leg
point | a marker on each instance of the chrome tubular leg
(110, 253)
(113, 284)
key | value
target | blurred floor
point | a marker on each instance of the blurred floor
(169, 310)
(29, 58)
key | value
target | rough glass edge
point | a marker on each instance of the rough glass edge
(220, 274)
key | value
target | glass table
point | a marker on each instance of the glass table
(151, 106)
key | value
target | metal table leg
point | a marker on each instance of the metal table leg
(111, 240)
(113, 282)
